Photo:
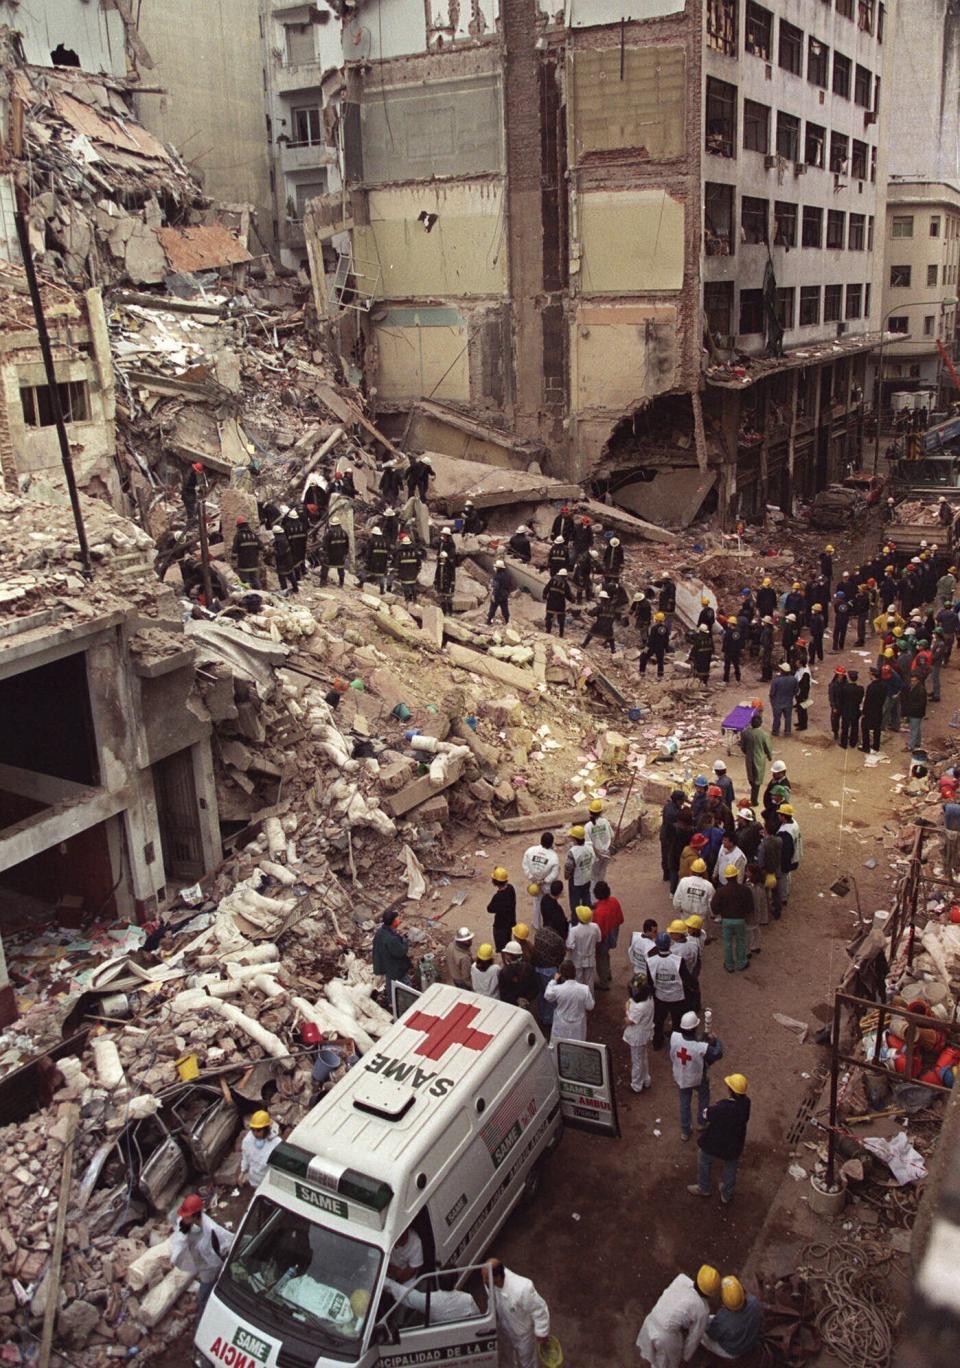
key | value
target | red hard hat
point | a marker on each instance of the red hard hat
(584, 522)
(198, 465)
(191, 1205)
(241, 519)
(698, 840)
(565, 508)
(714, 792)
(840, 669)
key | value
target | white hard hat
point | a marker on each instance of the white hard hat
(604, 594)
(512, 947)
(375, 532)
(689, 1021)
(426, 460)
(778, 767)
(562, 572)
(521, 531)
(444, 556)
(498, 565)
(558, 541)
(464, 934)
(719, 767)
(746, 814)
(614, 541)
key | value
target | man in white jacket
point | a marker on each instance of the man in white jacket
(541, 865)
(600, 835)
(672, 1332)
(199, 1246)
(694, 892)
(522, 1314)
(260, 1141)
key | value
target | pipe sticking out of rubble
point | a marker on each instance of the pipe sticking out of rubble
(23, 205)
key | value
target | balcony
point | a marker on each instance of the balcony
(293, 77)
(305, 156)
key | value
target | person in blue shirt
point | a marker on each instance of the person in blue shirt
(735, 1330)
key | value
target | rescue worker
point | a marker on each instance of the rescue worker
(551, 908)
(841, 619)
(407, 567)
(694, 891)
(859, 609)
(818, 625)
(190, 490)
(851, 700)
(563, 525)
(638, 1030)
(913, 707)
(391, 483)
(938, 658)
(578, 868)
(459, 958)
(602, 626)
(871, 718)
(723, 1139)
(378, 559)
(707, 617)
(612, 560)
(419, 474)
(835, 699)
(671, 982)
(669, 816)
(557, 556)
(500, 586)
(484, 974)
(336, 544)
(783, 690)
(557, 595)
(732, 905)
(445, 581)
(801, 699)
(518, 984)
(583, 938)
(295, 525)
(673, 1330)
(283, 561)
(199, 1246)
(246, 554)
(736, 1330)
(757, 750)
(571, 1001)
(258, 1144)
(690, 1059)
(473, 520)
(599, 833)
(541, 866)
(766, 598)
(826, 567)
(391, 956)
(502, 907)
(766, 648)
(519, 545)
(791, 850)
(667, 600)
(701, 656)
(732, 647)
(641, 610)
(584, 568)
(657, 645)
(723, 782)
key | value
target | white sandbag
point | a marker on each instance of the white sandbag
(150, 1267)
(278, 872)
(276, 839)
(106, 1057)
(161, 1300)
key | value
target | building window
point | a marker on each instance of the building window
(900, 323)
(832, 303)
(753, 219)
(718, 238)
(809, 305)
(756, 126)
(38, 408)
(854, 298)
(758, 38)
(785, 308)
(814, 142)
(865, 11)
(858, 160)
(751, 311)
(839, 153)
(870, 233)
(866, 301)
(784, 224)
(301, 46)
(306, 191)
(790, 52)
(845, 8)
(788, 136)
(855, 234)
(932, 275)
(881, 16)
(835, 227)
(722, 26)
(928, 325)
(812, 231)
(934, 225)
(718, 307)
(721, 118)
(818, 62)
(307, 127)
(873, 165)
(841, 75)
(899, 277)
(902, 226)
(862, 83)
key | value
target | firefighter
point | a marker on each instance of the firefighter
(557, 557)
(563, 526)
(657, 644)
(557, 595)
(445, 581)
(378, 558)
(584, 569)
(701, 656)
(295, 525)
(335, 546)
(602, 626)
(283, 560)
(613, 557)
(406, 563)
(246, 554)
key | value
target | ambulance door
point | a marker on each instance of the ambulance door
(585, 1073)
(445, 1318)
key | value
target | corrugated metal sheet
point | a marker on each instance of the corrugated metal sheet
(643, 110)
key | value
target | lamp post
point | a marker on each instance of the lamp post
(910, 304)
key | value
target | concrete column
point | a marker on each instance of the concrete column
(208, 815)
(792, 439)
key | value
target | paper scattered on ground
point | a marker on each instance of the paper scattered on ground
(904, 1162)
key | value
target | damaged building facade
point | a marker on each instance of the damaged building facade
(642, 241)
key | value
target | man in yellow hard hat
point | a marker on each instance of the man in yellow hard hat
(723, 1138)
(502, 906)
(578, 869)
(672, 1331)
(599, 833)
(260, 1141)
(737, 1328)
(540, 865)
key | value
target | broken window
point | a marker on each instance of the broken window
(855, 234)
(759, 32)
(785, 307)
(865, 11)
(790, 52)
(64, 56)
(858, 160)
(721, 118)
(754, 214)
(899, 277)
(718, 237)
(751, 311)
(900, 323)
(756, 126)
(784, 224)
(814, 142)
(839, 153)
(842, 67)
(301, 47)
(862, 86)
(812, 232)
(818, 62)
(809, 305)
(722, 26)
(832, 303)
(718, 307)
(307, 126)
(935, 225)
(835, 228)
(854, 307)
(788, 136)
(38, 406)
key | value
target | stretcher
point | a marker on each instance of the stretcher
(736, 720)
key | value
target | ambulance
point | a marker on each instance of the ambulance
(436, 1134)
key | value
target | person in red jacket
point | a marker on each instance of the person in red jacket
(608, 916)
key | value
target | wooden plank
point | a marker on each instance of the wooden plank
(56, 1257)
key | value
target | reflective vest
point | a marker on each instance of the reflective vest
(664, 973)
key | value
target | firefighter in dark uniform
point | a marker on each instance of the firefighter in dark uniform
(657, 643)
(473, 520)
(557, 595)
(613, 557)
(602, 626)
(445, 580)
(283, 560)
(584, 569)
(557, 557)
(406, 562)
(390, 525)
(296, 527)
(563, 525)
(246, 554)
(336, 544)
(378, 558)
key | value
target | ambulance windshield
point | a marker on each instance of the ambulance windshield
(294, 1269)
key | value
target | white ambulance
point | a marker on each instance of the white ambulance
(438, 1131)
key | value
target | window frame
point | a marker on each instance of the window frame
(846, 67)
(812, 216)
(859, 72)
(818, 63)
(853, 291)
(782, 127)
(859, 159)
(832, 303)
(749, 108)
(754, 25)
(310, 141)
(933, 270)
(856, 227)
(74, 404)
(788, 33)
(929, 324)
(724, 95)
(934, 227)
(898, 319)
(811, 130)
(899, 220)
(900, 276)
(714, 193)
(752, 299)
(750, 205)
(787, 299)
(728, 290)
(809, 293)
(835, 218)
(779, 218)
(839, 152)
(720, 27)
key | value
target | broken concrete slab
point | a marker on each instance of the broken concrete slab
(394, 776)
(420, 790)
(431, 623)
(490, 668)
(542, 821)
(673, 497)
(622, 521)
(491, 486)
(436, 428)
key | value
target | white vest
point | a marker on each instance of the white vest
(665, 976)
(540, 865)
(686, 1056)
(600, 835)
(637, 953)
(583, 857)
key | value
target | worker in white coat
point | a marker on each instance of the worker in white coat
(199, 1246)
(260, 1141)
(571, 1003)
(600, 836)
(694, 891)
(444, 1306)
(541, 865)
(672, 1332)
(582, 942)
(522, 1315)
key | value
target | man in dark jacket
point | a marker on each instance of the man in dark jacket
(391, 482)
(445, 580)
(519, 983)
(295, 525)
(378, 558)
(841, 619)
(835, 698)
(407, 566)
(563, 525)
(336, 544)
(668, 825)
(732, 650)
(584, 568)
(557, 595)
(913, 707)
(657, 644)
(500, 586)
(519, 545)
(390, 954)
(782, 693)
(851, 701)
(246, 554)
(871, 719)
(722, 1139)
(502, 907)
(767, 641)
(602, 626)
(419, 474)
(613, 557)
(473, 520)
(701, 656)
(283, 560)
